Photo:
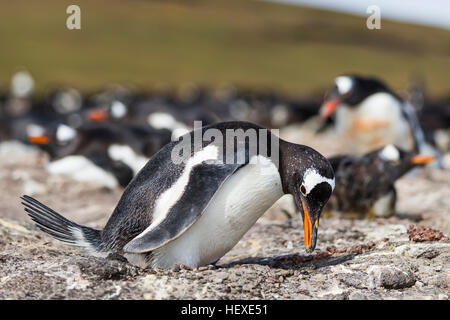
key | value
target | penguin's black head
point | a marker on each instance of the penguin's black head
(351, 90)
(397, 161)
(52, 139)
(116, 110)
(309, 177)
(65, 100)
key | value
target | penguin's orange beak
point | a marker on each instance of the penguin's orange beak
(329, 107)
(97, 115)
(310, 230)
(422, 159)
(41, 140)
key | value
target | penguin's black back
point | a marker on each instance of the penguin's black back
(360, 181)
(365, 87)
(133, 213)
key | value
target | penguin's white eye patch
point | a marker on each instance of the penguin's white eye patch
(118, 109)
(35, 130)
(312, 177)
(344, 84)
(65, 133)
(389, 153)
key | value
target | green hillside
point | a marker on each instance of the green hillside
(249, 43)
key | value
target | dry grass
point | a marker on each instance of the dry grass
(245, 42)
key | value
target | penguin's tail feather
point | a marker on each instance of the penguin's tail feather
(61, 228)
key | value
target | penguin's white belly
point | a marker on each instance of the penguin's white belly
(384, 207)
(81, 169)
(127, 155)
(376, 122)
(235, 207)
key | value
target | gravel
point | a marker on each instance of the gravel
(354, 259)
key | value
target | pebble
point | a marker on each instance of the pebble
(390, 277)
(357, 296)
(176, 268)
(247, 287)
(148, 296)
(286, 273)
(25, 254)
(221, 275)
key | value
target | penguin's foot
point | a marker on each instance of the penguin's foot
(116, 256)
(214, 263)
(179, 265)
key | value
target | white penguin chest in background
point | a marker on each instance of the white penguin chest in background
(82, 169)
(375, 122)
(235, 207)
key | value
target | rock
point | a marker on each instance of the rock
(428, 253)
(441, 281)
(422, 250)
(176, 267)
(353, 279)
(422, 233)
(340, 296)
(18, 150)
(247, 287)
(357, 296)
(221, 276)
(390, 277)
(13, 226)
(396, 232)
(286, 273)
(34, 266)
(148, 296)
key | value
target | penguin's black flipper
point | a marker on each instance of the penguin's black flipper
(204, 181)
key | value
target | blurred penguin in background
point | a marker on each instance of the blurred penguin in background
(369, 115)
(365, 185)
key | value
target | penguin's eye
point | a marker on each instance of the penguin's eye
(303, 190)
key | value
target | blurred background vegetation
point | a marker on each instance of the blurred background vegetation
(250, 43)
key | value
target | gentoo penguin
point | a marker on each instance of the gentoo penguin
(65, 100)
(252, 105)
(198, 196)
(4, 119)
(157, 116)
(291, 111)
(369, 115)
(365, 184)
(107, 153)
(435, 120)
(173, 116)
(21, 91)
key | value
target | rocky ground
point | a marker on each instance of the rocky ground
(404, 257)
